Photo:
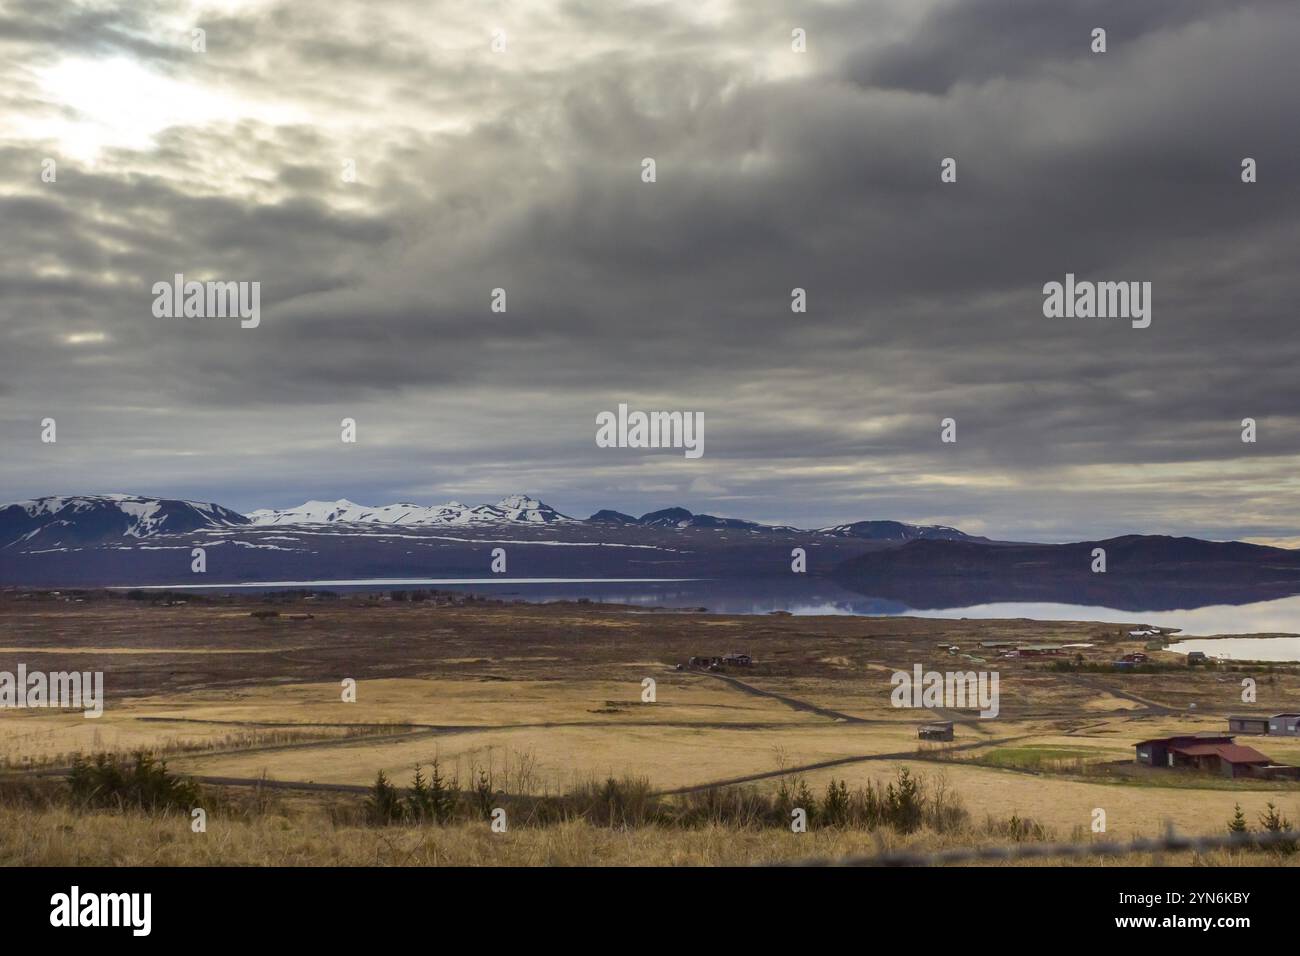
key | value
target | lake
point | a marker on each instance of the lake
(1244, 648)
(818, 596)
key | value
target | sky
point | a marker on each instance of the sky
(501, 145)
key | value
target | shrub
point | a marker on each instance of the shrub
(1019, 829)
(143, 784)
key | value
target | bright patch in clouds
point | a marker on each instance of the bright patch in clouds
(84, 338)
(117, 103)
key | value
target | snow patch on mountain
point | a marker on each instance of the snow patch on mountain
(59, 521)
(513, 508)
(56, 520)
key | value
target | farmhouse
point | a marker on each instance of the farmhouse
(1155, 752)
(936, 731)
(1211, 753)
(1227, 760)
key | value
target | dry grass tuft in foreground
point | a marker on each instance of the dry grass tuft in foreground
(59, 836)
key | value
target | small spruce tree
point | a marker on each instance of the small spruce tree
(442, 796)
(1274, 822)
(383, 805)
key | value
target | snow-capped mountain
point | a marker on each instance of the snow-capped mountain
(514, 508)
(60, 521)
(52, 523)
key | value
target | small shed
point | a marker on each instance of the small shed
(941, 730)
(1284, 725)
(1240, 724)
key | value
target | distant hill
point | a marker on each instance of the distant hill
(897, 531)
(866, 530)
(54, 521)
(1148, 571)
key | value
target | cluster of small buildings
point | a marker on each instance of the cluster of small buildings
(1012, 648)
(1129, 661)
(1212, 753)
(1021, 649)
(717, 663)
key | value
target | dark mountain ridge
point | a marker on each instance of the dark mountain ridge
(1150, 572)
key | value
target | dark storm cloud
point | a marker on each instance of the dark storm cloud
(973, 41)
(775, 170)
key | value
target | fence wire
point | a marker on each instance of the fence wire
(1285, 840)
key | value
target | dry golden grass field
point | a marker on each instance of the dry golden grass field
(545, 699)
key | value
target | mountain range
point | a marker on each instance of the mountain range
(129, 540)
(55, 522)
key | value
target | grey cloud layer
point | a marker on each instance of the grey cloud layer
(521, 170)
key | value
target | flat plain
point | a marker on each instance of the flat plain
(545, 698)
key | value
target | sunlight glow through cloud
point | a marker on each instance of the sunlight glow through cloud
(118, 103)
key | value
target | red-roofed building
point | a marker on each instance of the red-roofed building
(1212, 754)
(1227, 760)
(1155, 753)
